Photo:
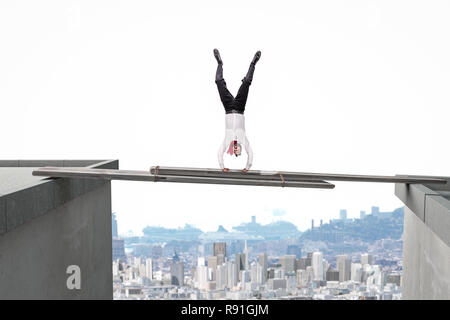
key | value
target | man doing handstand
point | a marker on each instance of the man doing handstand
(235, 135)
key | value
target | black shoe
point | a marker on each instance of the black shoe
(256, 57)
(217, 55)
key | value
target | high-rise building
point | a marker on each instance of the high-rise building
(279, 273)
(176, 271)
(149, 268)
(362, 214)
(115, 233)
(343, 265)
(366, 259)
(309, 274)
(262, 260)
(221, 276)
(246, 256)
(219, 248)
(288, 263)
(343, 214)
(118, 248)
(232, 277)
(201, 250)
(301, 264)
(202, 276)
(212, 265)
(240, 264)
(254, 272)
(201, 261)
(356, 272)
(309, 259)
(275, 284)
(270, 273)
(326, 266)
(220, 259)
(245, 276)
(317, 265)
(332, 275)
(375, 210)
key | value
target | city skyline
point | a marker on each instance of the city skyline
(214, 276)
(253, 218)
(328, 261)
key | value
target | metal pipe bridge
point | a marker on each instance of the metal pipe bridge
(233, 177)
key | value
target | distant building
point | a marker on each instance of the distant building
(288, 263)
(394, 278)
(232, 276)
(275, 284)
(149, 268)
(240, 264)
(343, 265)
(176, 271)
(219, 248)
(366, 259)
(245, 256)
(262, 260)
(212, 265)
(343, 214)
(201, 275)
(221, 277)
(362, 214)
(301, 264)
(309, 259)
(118, 249)
(115, 234)
(302, 280)
(332, 275)
(317, 265)
(256, 273)
(356, 272)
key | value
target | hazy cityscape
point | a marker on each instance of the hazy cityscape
(343, 259)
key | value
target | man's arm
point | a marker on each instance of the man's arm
(249, 151)
(221, 152)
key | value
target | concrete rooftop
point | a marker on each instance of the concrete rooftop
(24, 197)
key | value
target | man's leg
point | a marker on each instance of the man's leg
(241, 97)
(225, 96)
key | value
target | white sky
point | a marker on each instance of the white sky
(342, 87)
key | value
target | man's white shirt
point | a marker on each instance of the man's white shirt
(235, 130)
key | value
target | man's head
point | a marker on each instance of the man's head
(237, 149)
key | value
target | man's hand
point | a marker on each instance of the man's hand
(225, 169)
(245, 170)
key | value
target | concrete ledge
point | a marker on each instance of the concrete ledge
(430, 203)
(414, 197)
(437, 217)
(53, 163)
(36, 199)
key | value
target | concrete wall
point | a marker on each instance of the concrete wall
(34, 255)
(426, 240)
(426, 261)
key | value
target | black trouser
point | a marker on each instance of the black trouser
(234, 104)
